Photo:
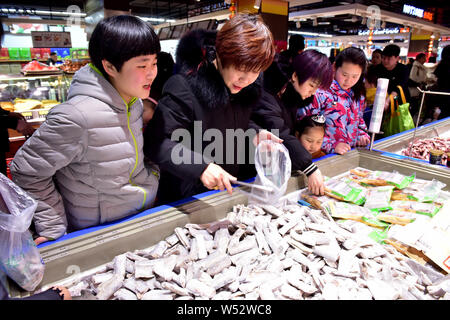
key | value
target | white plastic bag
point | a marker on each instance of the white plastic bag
(19, 257)
(273, 166)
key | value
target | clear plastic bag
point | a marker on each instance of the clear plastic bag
(19, 256)
(273, 167)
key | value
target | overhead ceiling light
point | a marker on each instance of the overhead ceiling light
(257, 4)
(153, 19)
(311, 34)
(354, 19)
(298, 24)
(315, 22)
(324, 22)
(42, 12)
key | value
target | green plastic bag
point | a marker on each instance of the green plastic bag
(399, 119)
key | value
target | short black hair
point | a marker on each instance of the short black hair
(377, 51)
(53, 53)
(296, 43)
(421, 55)
(120, 38)
(391, 50)
(302, 126)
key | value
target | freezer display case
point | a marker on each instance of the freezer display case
(83, 252)
(33, 96)
(435, 135)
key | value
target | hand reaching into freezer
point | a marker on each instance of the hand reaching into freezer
(216, 177)
(315, 183)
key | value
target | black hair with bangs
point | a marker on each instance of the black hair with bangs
(118, 39)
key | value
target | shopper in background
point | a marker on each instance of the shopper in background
(84, 165)
(342, 104)
(310, 132)
(281, 69)
(417, 78)
(370, 84)
(53, 59)
(442, 74)
(410, 63)
(149, 110)
(312, 70)
(165, 71)
(11, 120)
(296, 46)
(216, 87)
(376, 57)
(391, 69)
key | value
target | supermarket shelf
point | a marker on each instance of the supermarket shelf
(20, 61)
(30, 77)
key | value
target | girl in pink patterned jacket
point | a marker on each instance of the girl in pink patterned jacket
(342, 104)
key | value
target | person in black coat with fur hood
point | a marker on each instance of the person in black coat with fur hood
(217, 86)
(312, 70)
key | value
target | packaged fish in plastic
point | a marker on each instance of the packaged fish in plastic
(428, 209)
(394, 178)
(343, 190)
(350, 211)
(400, 217)
(378, 198)
(424, 190)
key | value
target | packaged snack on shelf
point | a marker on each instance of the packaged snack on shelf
(36, 53)
(14, 53)
(378, 198)
(4, 54)
(25, 53)
(342, 190)
(428, 209)
(394, 178)
(397, 217)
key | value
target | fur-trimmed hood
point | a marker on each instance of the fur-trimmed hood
(194, 60)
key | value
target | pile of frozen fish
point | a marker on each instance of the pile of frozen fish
(265, 252)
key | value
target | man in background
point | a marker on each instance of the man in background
(53, 59)
(391, 69)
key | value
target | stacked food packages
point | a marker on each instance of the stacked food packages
(379, 198)
(395, 206)
(29, 108)
(36, 66)
(71, 66)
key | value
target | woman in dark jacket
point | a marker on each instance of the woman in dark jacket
(215, 91)
(15, 121)
(312, 70)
